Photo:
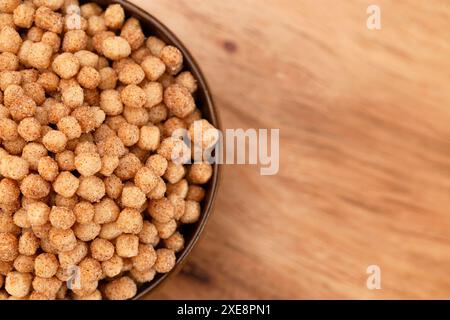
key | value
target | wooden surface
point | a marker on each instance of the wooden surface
(365, 148)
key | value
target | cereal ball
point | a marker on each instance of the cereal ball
(157, 113)
(24, 264)
(55, 141)
(178, 189)
(66, 184)
(54, 5)
(20, 219)
(9, 247)
(66, 160)
(129, 134)
(91, 97)
(89, 78)
(136, 116)
(39, 55)
(8, 6)
(113, 186)
(73, 257)
(175, 242)
(46, 265)
(142, 276)
(88, 231)
(109, 164)
(165, 260)
(18, 284)
(57, 111)
(155, 45)
(110, 102)
(14, 167)
(132, 32)
(10, 40)
(8, 61)
(115, 48)
(49, 81)
(29, 75)
(35, 187)
(86, 117)
(202, 133)
(29, 129)
(166, 229)
(35, 92)
(172, 58)
(46, 19)
(5, 267)
(174, 150)
(153, 67)
(61, 201)
(96, 24)
(38, 213)
(187, 80)
(179, 100)
(146, 179)
(106, 211)
(158, 191)
(37, 296)
(149, 138)
(52, 39)
(191, 213)
(110, 231)
(47, 286)
(128, 167)
(174, 127)
(113, 266)
(62, 239)
(114, 16)
(154, 92)
(115, 122)
(148, 234)
(133, 197)
(24, 15)
(131, 74)
(145, 259)
(85, 147)
(87, 58)
(62, 217)
(91, 188)
(42, 231)
(70, 127)
(7, 223)
(127, 245)
(133, 96)
(8, 78)
(22, 108)
(73, 96)
(120, 289)
(200, 173)
(140, 54)
(161, 210)
(174, 173)
(88, 164)
(130, 221)
(90, 9)
(66, 65)
(28, 243)
(34, 34)
(179, 205)
(108, 78)
(102, 250)
(84, 212)
(74, 40)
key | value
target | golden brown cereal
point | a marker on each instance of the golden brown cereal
(179, 100)
(155, 45)
(35, 34)
(61, 201)
(131, 74)
(48, 168)
(111, 103)
(74, 256)
(96, 24)
(39, 55)
(38, 213)
(127, 245)
(154, 92)
(88, 164)
(55, 141)
(113, 266)
(109, 164)
(20, 218)
(175, 242)
(165, 260)
(85, 147)
(89, 78)
(166, 229)
(161, 210)
(175, 150)
(8, 78)
(52, 4)
(62, 239)
(87, 58)
(66, 65)
(24, 263)
(86, 117)
(187, 80)
(66, 160)
(133, 96)
(113, 186)
(52, 39)
(102, 250)
(66, 184)
(23, 15)
(8, 61)
(97, 40)
(14, 167)
(73, 96)
(191, 212)
(49, 81)
(46, 19)
(108, 78)
(149, 138)
(130, 221)
(115, 48)
(74, 40)
(174, 127)
(47, 286)
(158, 191)
(128, 166)
(62, 217)
(146, 179)
(35, 91)
(136, 116)
(149, 234)
(70, 127)
(153, 67)
(84, 212)
(202, 133)
(179, 189)
(46, 265)
(8, 130)
(8, 6)
(120, 289)
(129, 134)
(200, 173)
(9, 247)
(174, 173)
(10, 40)
(114, 16)
(90, 9)
(173, 59)
(106, 211)
(28, 243)
(29, 129)
(91, 188)
(18, 284)
(33, 186)
(145, 259)
(22, 108)
(142, 276)
(110, 231)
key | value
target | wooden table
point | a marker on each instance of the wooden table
(365, 148)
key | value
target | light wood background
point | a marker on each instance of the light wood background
(365, 148)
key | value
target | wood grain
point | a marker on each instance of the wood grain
(365, 148)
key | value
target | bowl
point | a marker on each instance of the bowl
(152, 26)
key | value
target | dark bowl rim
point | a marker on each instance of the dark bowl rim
(190, 64)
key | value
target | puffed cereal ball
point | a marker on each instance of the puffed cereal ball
(47, 286)
(161, 210)
(191, 213)
(39, 55)
(61, 217)
(46, 265)
(128, 166)
(154, 92)
(174, 173)
(127, 245)
(74, 256)
(49, 81)
(114, 16)
(113, 186)
(70, 127)
(179, 100)
(66, 65)
(133, 96)
(166, 229)
(38, 213)
(133, 197)
(115, 48)
(55, 141)
(132, 32)
(106, 211)
(9, 191)
(129, 134)
(33, 186)
(187, 80)
(165, 260)
(46, 19)
(174, 150)
(74, 40)
(200, 173)
(130, 221)
(131, 74)
(62, 239)
(110, 102)
(110, 231)
(102, 250)
(91, 188)
(145, 259)
(157, 163)
(146, 179)
(52, 39)
(29, 129)
(113, 266)
(10, 40)
(175, 242)
(109, 164)
(73, 96)
(84, 212)
(9, 247)
(8, 62)
(14, 167)
(8, 6)
(88, 164)
(18, 284)
(173, 59)
(66, 160)
(89, 78)
(155, 45)
(52, 4)
(195, 193)
(149, 138)
(153, 67)
(179, 189)
(87, 58)
(108, 78)
(158, 191)
(20, 218)
(66, 184)
(142, 276)
(24, 263)
(28, 243)
(120, 289)
(23, 15)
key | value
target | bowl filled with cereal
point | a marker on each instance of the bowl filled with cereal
(102, 114)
